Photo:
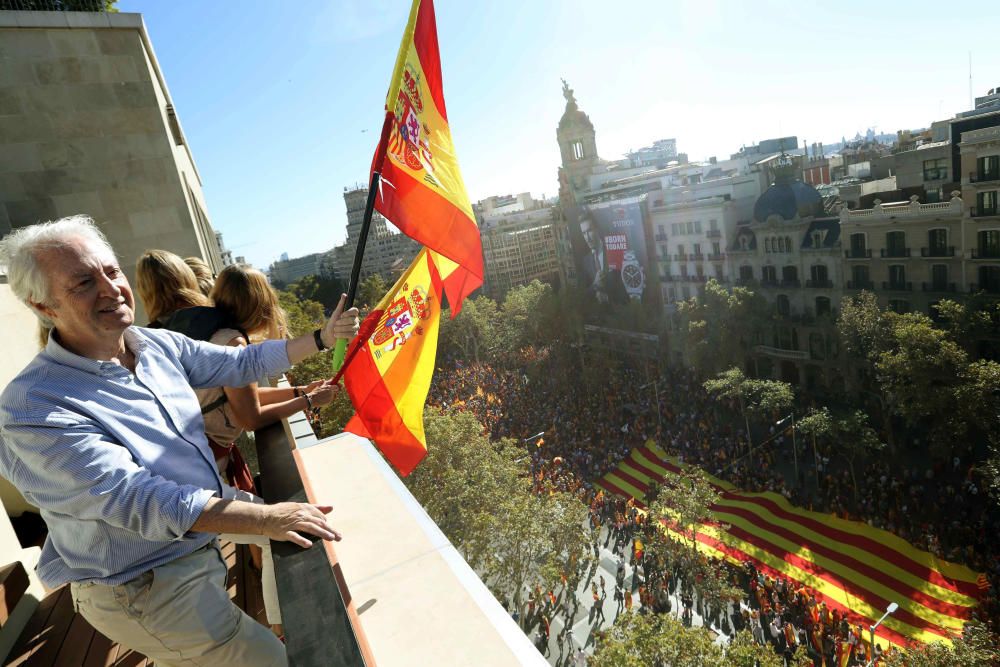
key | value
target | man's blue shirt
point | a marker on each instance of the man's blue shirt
(118, 463)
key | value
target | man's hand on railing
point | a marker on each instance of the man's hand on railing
(284, 522)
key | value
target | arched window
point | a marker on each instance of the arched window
(767, 245)
(788, 244)
(781, 244)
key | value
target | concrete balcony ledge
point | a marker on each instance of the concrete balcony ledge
(418, 601)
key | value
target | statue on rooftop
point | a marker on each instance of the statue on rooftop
(568, 93)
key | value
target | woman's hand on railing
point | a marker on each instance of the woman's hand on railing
(323, 394)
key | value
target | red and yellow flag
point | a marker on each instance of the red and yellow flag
(392, 361)
(847, 565)
(422, 191)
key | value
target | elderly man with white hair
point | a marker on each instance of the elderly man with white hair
(103, 432)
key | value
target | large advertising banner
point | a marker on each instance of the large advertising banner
(609, 246)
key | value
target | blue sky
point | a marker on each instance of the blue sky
(282, 101)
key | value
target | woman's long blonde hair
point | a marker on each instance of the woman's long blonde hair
(245, 295)
(166, 284)
(202, 272)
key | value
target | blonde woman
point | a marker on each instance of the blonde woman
(202, 272)
(246, 307)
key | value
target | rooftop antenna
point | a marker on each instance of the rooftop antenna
(972, 103)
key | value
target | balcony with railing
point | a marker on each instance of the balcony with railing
(746, 282)
(896, 286)
(911, 209)
(819, 284)
(769, 282)
(714, 234)
(858, 253)
(938, 251)
(791, 282)
(681, 257)
(992, 212)
(895, 252)
(939, 287)
(696, 257)
(860, 284)
(366, 600)
(984, 178)
(986, 253)
(716, 256)
(660, 237)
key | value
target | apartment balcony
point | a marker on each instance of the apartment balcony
(819, 284)
(939, 287)
(696, 257)
(746, 282)
(939, 251)
(393, 564)
(986, 253)
(895, 252)
(768, 283)
(977, 178)
(660, 237)
(987, 287)
(897, 286)
(984, 212)
(860, 284)
(791, 282)
(681, 257)
(858, 253)
(716, 256)
(714, 234)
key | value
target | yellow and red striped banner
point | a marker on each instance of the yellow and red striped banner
(422, 191)
(847, 564)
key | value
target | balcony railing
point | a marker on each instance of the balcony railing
(938, 251)
(858, 253)
(661, 237)
(716, 256)
(768, 282)
(986, 253)
(746, 282)
(989, 288)
(714, 234)
(860, 284)
(819, 284)
(897, 286)
(984, 212)
(981, 177)
(939, 287)
(681, 257)
(791, 282)
(696, 257)
(895, 252)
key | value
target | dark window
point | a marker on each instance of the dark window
(858, 244)
(784, 306)
(986, 203)
(822, 306)
(988, 168)
(769, 274)
(937, 241)
(577, 150)
(789, 274)
(746, 273)
(818, 274)
(897, 275)
(817, 346)
(989, 243)
(936, 170)
(859, 274)
(939, 276)
(989, 279)
(895, 243)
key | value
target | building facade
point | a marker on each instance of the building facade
(387, 251)
(88, 126)
(519, 248)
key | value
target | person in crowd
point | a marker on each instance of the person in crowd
(104, 434)
(202, 271)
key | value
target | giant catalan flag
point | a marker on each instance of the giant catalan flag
(422, 191)
(846, 564)
(391, 363)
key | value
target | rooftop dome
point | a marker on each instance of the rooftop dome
(789, 198)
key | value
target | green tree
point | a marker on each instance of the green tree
(656, 640)
(519, 323)
(370, 292)
(324, 289)
(977, 647)
(720, 326)
(731, 384)
(743, 651)
(473, 331)
(756, 398)
(856, 441)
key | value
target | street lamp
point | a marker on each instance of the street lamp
(891, 608)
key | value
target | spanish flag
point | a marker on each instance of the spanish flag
(422, 191)
(392, 361)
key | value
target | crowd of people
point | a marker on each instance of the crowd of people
(576, 434)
